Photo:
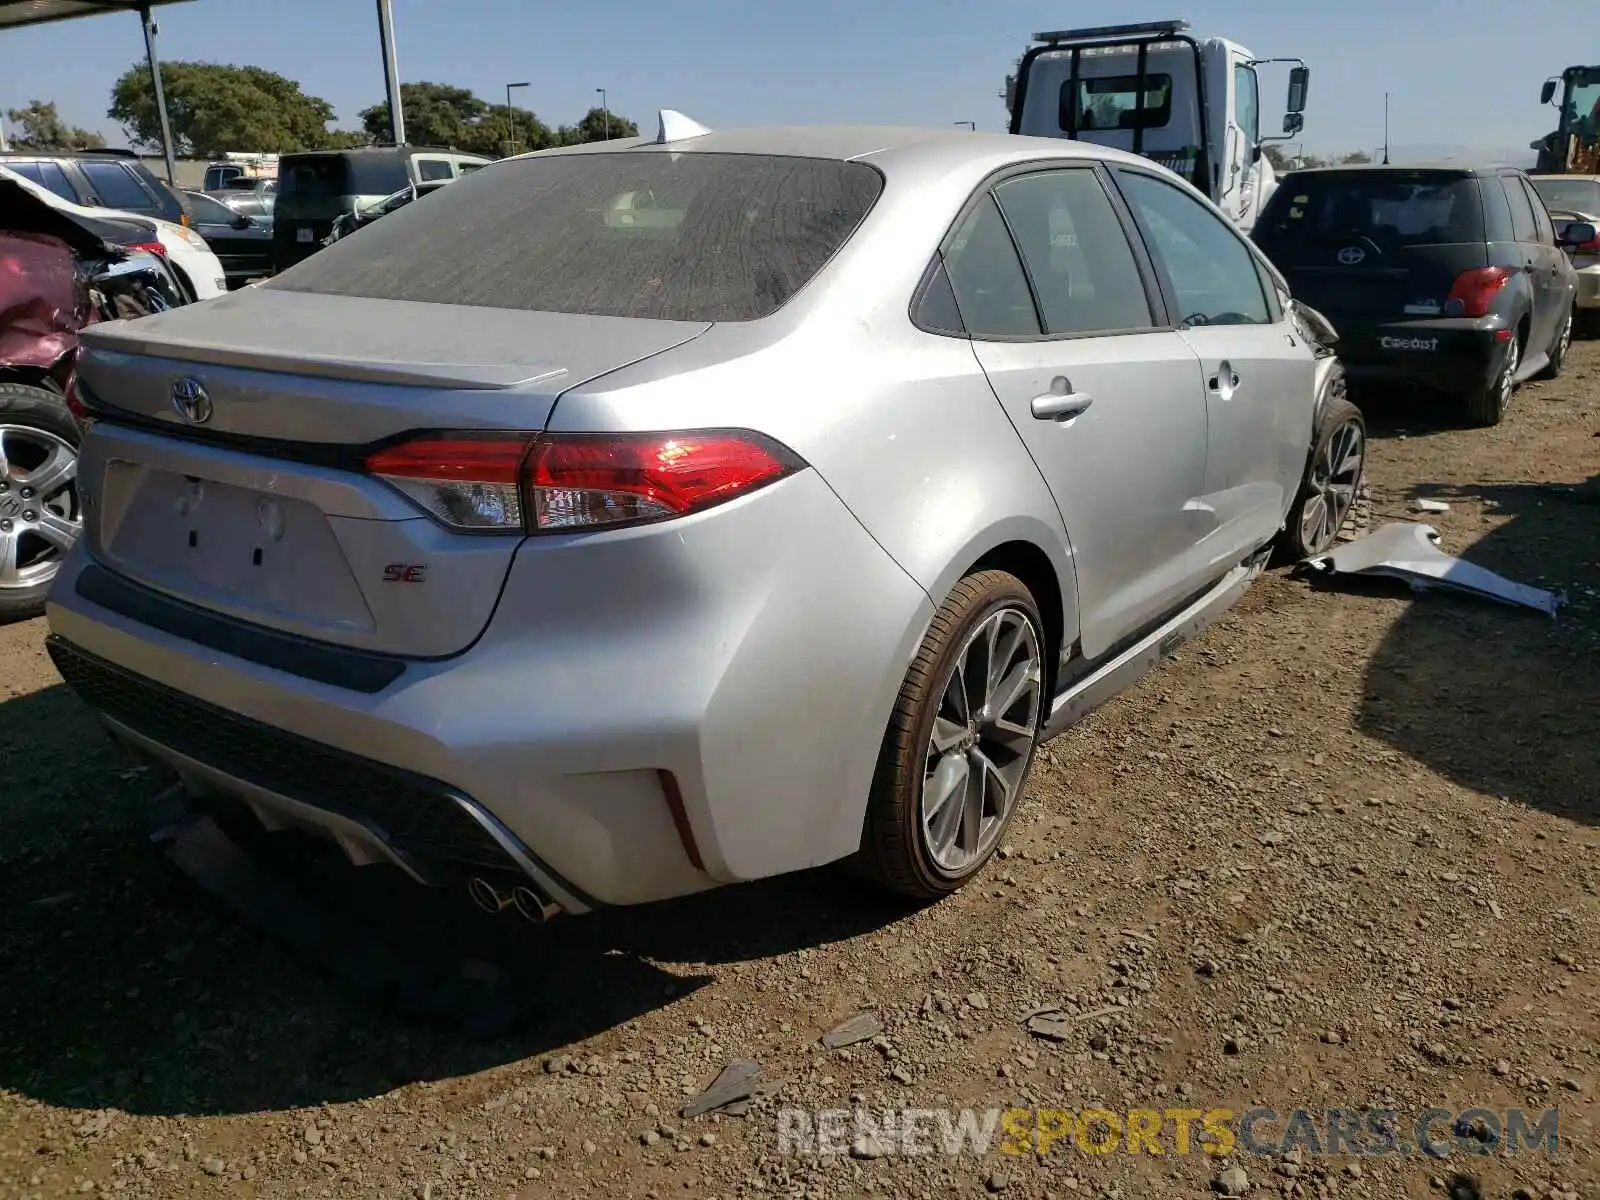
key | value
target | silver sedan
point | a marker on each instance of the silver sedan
(645, 516)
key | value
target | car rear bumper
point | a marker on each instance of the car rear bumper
(751, 653)
(1589, 286)
(1451, 355)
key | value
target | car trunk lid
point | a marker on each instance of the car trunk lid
(225, 466)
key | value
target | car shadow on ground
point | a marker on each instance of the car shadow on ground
(123, 985)
(1503, 700)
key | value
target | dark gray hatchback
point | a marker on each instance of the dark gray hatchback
(1447, 277)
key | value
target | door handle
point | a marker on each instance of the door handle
(1225, 381)
(1060, 403)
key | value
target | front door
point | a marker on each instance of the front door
(1064, 321)
(1257, 373)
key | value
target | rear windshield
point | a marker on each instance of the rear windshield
(1409, 208)
(326, 176)
(686, 237)
(1569, 195)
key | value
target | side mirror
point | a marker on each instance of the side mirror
(1578, 233)
(1293, 123)
(241, 221)
(1548, 92)
(1299, 85)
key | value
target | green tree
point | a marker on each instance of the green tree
(39, 126)
(597, 124)
(216, 107)
(1356, 156)
(1275, 155)
(495, 135)
(436, 114)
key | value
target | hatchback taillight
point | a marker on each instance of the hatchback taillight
(550, 483)
(1473, 293)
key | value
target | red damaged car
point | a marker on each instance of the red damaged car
(58, 273)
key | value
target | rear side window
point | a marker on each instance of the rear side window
(686, 237)
(432, 168)
(115, 186)
(49, 176)
(1497, 225)
(1393, 208)
(1524, 225)
(1076, 252)
(324, 176)
(986, 275)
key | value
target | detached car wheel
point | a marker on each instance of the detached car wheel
(960, 742)
(1332, 480)
(40, 518)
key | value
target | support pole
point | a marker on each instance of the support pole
(161, 97)
(391, 73)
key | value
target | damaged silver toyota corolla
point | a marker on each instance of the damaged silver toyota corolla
(635, 518)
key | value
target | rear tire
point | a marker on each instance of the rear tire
(960, 741)
(36, 430)
(1486, 406)
(1332, 480)
(1559, 348)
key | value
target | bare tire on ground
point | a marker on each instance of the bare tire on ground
(39, 514)
(1332, 480)
(960, 740)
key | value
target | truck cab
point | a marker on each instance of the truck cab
(1574, 147)
(1192, 105)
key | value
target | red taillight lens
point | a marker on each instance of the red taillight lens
(1474, 291)
(149, 248)
(563, 482)
(469, 481)
(579, 481)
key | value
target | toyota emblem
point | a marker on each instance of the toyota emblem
(1351, 255)
(190, 401)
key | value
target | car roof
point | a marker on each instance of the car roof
(904, 146)
(1462, 169)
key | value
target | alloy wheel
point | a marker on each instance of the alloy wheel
(40, 518)
(982, 738)
(1335, 475)
(1508, 377)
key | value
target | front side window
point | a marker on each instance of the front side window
(207, 211)
(1076, 252)
(1524, 225)
(1116, 102)
(1247, 102)
(1212, 272)
(1541, 218)
(685, 237)
(433, 168)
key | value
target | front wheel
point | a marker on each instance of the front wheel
(1332, 480)
(960, 741)
(39, 514)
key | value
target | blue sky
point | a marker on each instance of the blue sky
(1461, 72)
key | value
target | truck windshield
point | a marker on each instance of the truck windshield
(1580, 110)
(1391, 208)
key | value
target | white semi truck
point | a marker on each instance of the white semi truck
(1192, 105)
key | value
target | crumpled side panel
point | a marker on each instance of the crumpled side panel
(43, 303)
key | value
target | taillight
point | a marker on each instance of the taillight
(1474, 291)
(149, 248)
(552, 483)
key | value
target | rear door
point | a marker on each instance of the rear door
(1553, 284)
(1257, 373)
(1526, 256)
(1104, 394)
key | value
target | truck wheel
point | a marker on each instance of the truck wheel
(1332, 479)
(1487, 405)
(959, 742)
(1559, 348)
(39, 514)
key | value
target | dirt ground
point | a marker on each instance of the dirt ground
(1341, 853)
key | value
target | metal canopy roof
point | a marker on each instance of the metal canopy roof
(14, 14)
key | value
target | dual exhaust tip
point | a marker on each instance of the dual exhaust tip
(533, 905)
